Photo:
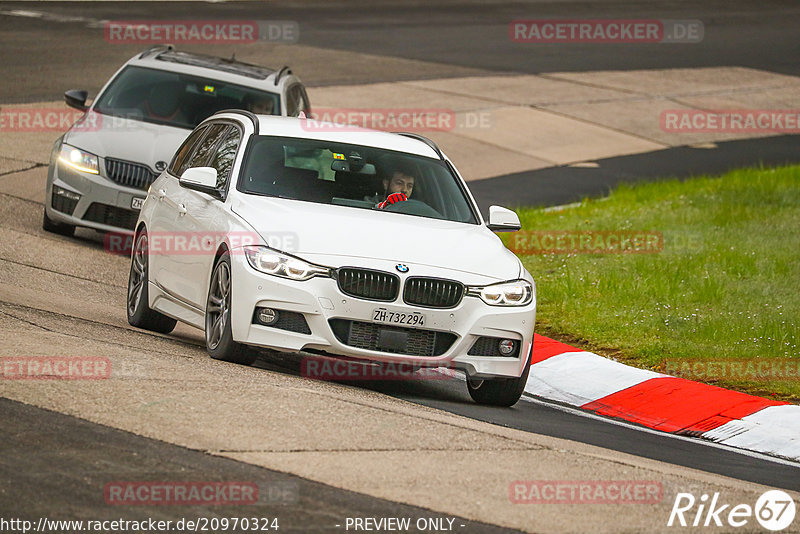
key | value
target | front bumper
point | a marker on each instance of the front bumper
(319, 300)
(112, 211)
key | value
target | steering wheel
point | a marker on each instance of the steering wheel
(414, 207)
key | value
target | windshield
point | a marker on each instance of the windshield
(354, 176)
(177, 99)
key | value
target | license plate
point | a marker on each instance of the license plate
(409, 319)
(136, 203)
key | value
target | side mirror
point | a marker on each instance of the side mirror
(503, 220)
(202, 179)
(76, 98)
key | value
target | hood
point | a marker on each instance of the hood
(124, 138)
(312, 231)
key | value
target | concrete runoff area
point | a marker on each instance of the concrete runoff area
(502, 125)
(517, 123)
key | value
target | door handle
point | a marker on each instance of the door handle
(182, 209)
(161, 194)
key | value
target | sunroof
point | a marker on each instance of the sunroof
(216, 63)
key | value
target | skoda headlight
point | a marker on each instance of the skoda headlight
(514, 293)
(276, 263)
(78, 159)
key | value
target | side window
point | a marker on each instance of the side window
(296, 100)
(226, 154)
(181, 160)
(207, 146)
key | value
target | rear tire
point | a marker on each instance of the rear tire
(499, 391)
(49, 225)
(219, 337)
(139, 313)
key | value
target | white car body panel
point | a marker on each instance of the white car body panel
(125, 139)
(372, 234)
(335, 236)
(311, 129)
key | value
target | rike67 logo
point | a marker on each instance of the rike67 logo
(774, 510)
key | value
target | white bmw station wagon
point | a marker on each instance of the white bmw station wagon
(303, 236)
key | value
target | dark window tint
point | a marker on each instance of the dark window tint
(352, 176)
(226, 155)
(181, 160)
(207, 146)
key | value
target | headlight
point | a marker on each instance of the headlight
(276, 263)
(78, 159)
(516, 293)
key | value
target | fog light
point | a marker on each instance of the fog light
(61, 192)
(506, 346)
(267, 316)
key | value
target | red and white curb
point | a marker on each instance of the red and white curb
(590, 382)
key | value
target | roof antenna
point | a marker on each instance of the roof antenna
(233, 57)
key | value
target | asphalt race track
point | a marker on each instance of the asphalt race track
(323, 452)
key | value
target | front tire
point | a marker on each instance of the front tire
(49, 225)
(139, 313)
(499, 391)
(219, 337)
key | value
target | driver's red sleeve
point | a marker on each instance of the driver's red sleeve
(393, 198)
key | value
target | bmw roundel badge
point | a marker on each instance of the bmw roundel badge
(402, 267)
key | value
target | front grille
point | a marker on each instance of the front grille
(63, 204)
(367, 284)
(433, 292)
(487, 346)
(367, 336)
(130, 174)
(111, 215)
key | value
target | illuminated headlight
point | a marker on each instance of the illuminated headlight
(276, 263)
(78, 159)
(516, 293)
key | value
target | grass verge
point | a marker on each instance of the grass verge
(707, 288)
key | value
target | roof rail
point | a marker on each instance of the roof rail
(424, 140)
(284, 70)
(156, 48)
(249, 114)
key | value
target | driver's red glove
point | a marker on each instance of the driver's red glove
(393, 198)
